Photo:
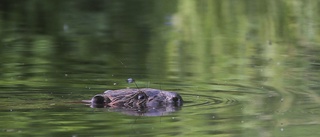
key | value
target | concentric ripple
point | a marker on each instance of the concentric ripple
(192, 100)
(223, 95)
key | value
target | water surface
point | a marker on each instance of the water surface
(243, 68)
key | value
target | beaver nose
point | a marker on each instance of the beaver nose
(99, 99)
(177, 100)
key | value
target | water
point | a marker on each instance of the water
(242, 68)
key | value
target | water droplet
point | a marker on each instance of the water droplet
(66, 75)
(281, 129)
(114, 83)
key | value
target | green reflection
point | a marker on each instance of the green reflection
(263, 55)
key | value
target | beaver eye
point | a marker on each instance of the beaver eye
(141, 96)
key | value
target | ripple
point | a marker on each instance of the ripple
(224, 95)
(191, 100)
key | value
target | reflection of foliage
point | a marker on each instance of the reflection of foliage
(55, 44)
(264, 43)
(53, 33)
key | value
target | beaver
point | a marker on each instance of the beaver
(137, 98)
(145, 100)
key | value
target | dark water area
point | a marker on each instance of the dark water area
(243, 68)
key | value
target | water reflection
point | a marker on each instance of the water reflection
(244, 68)
(159, 111)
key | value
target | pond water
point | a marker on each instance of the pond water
(243, 68)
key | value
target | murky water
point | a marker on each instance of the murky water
(242, 68)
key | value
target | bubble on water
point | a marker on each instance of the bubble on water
(66, 75)
(130, 80)
(114, 83)
(65, 27)
(281, 129)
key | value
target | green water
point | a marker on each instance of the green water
(244, 68)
